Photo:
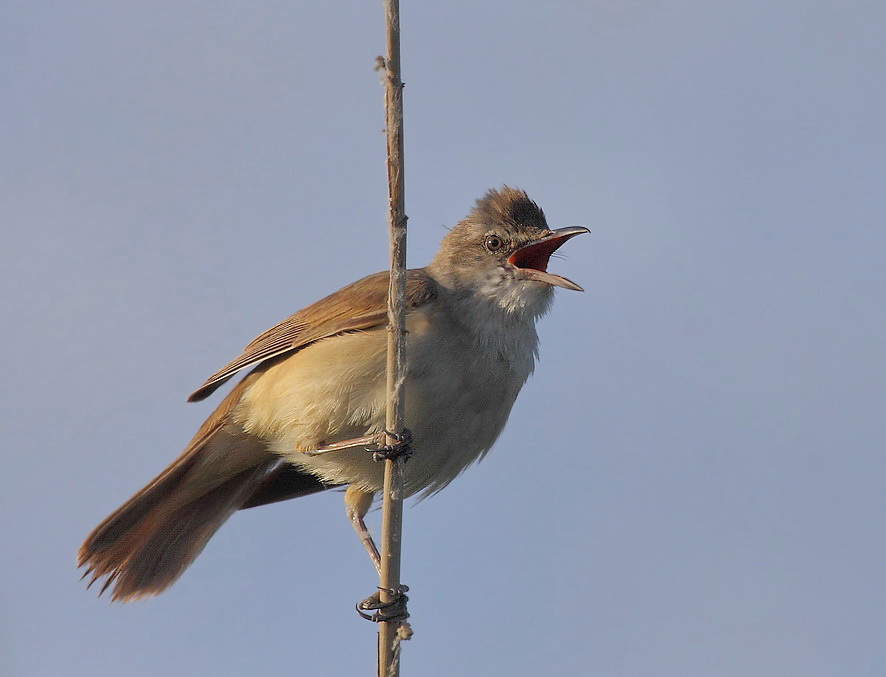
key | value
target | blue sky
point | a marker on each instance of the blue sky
(692, 482)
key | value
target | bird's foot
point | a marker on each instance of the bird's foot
(401, 448)
(392, 610)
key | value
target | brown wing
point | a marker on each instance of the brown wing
(359, 306)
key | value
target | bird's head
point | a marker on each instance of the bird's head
(501, 251)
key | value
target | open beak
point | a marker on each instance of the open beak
(532, 259)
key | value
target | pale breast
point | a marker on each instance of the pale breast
(458, 397)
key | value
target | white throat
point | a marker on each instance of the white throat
(500, 313)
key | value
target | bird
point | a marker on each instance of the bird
(314, 395)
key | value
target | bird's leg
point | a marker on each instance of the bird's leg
(357, 504)
(377, 439)
(402, 446)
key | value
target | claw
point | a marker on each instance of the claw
(394, 610)
(402, 447)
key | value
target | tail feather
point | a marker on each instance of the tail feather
(146, 544)
(149, 541)
(283, 482)
(144, 557)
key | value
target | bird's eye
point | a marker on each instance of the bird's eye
(493, 243)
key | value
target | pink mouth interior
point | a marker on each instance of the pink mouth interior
(535, 256)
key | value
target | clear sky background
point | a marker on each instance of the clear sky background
(693, 481)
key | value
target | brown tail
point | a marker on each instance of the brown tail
(148, 542)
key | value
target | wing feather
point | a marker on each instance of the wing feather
(357, 307)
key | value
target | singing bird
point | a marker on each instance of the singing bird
(300, 420)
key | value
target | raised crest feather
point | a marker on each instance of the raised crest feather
(510, 207)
